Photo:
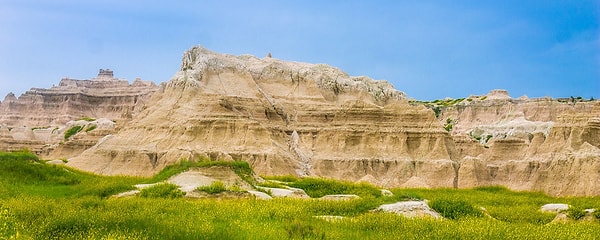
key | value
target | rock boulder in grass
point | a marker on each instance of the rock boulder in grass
(260, 195)
(340, 197)
(410, 209)
(286, 192)
(554, 207)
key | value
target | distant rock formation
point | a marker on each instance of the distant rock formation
(38, 118)
(538, 144)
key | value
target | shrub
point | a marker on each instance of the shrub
(596, 213)
(72, 131)
(271, 184)
(89, 119)
(575, 213)
(285, 178)
(455, 209)
(492, 189)
(316, 187)
(23, 155)
(214, 188)
(162, 190)
(303, 230)
(90, 128)
(25, 168)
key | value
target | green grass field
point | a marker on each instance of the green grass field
(41, 201)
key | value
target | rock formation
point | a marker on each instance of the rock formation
(283, 118)
(39, 118)
(100, 97)
(310, 120)
(544, 144)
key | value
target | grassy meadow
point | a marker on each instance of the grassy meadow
(42, 201)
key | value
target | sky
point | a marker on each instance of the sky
(427, 49)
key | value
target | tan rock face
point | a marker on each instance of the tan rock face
(283, 118)
(528, 144)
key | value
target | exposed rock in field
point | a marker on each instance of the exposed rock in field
(190, 180)
(554, 207)
(338, 197)
(386, 193)
(286, 192)
(260, 195)
(410, 209)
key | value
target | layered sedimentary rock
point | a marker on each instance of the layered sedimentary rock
(103, 96)
(544, 144)
(39, 118)
(309, 120)
(283, 118)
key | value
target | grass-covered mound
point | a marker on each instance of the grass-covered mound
(57, 202)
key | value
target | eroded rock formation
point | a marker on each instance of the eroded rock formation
(549, 145)
(311, 120)
(283, 118)
(39, 118)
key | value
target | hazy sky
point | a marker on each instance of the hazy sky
(428, 49)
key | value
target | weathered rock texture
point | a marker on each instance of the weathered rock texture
(550, 145)
(39, 118)
(283, 118)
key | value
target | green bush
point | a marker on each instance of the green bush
(90, 128)
(162, 190)
(303, 230)
(317, 187)
(270, 184)
(575, 213)
(596, 213)
(89, 119)
(492, 189)
(214, 188)
(455, 209)
(23, 155)
(25, 168)
(284, 178)
(72, 131)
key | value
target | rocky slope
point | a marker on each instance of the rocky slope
(315, 120)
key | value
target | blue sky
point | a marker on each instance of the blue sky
(428, 49)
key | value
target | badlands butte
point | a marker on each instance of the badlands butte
(291, 118)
